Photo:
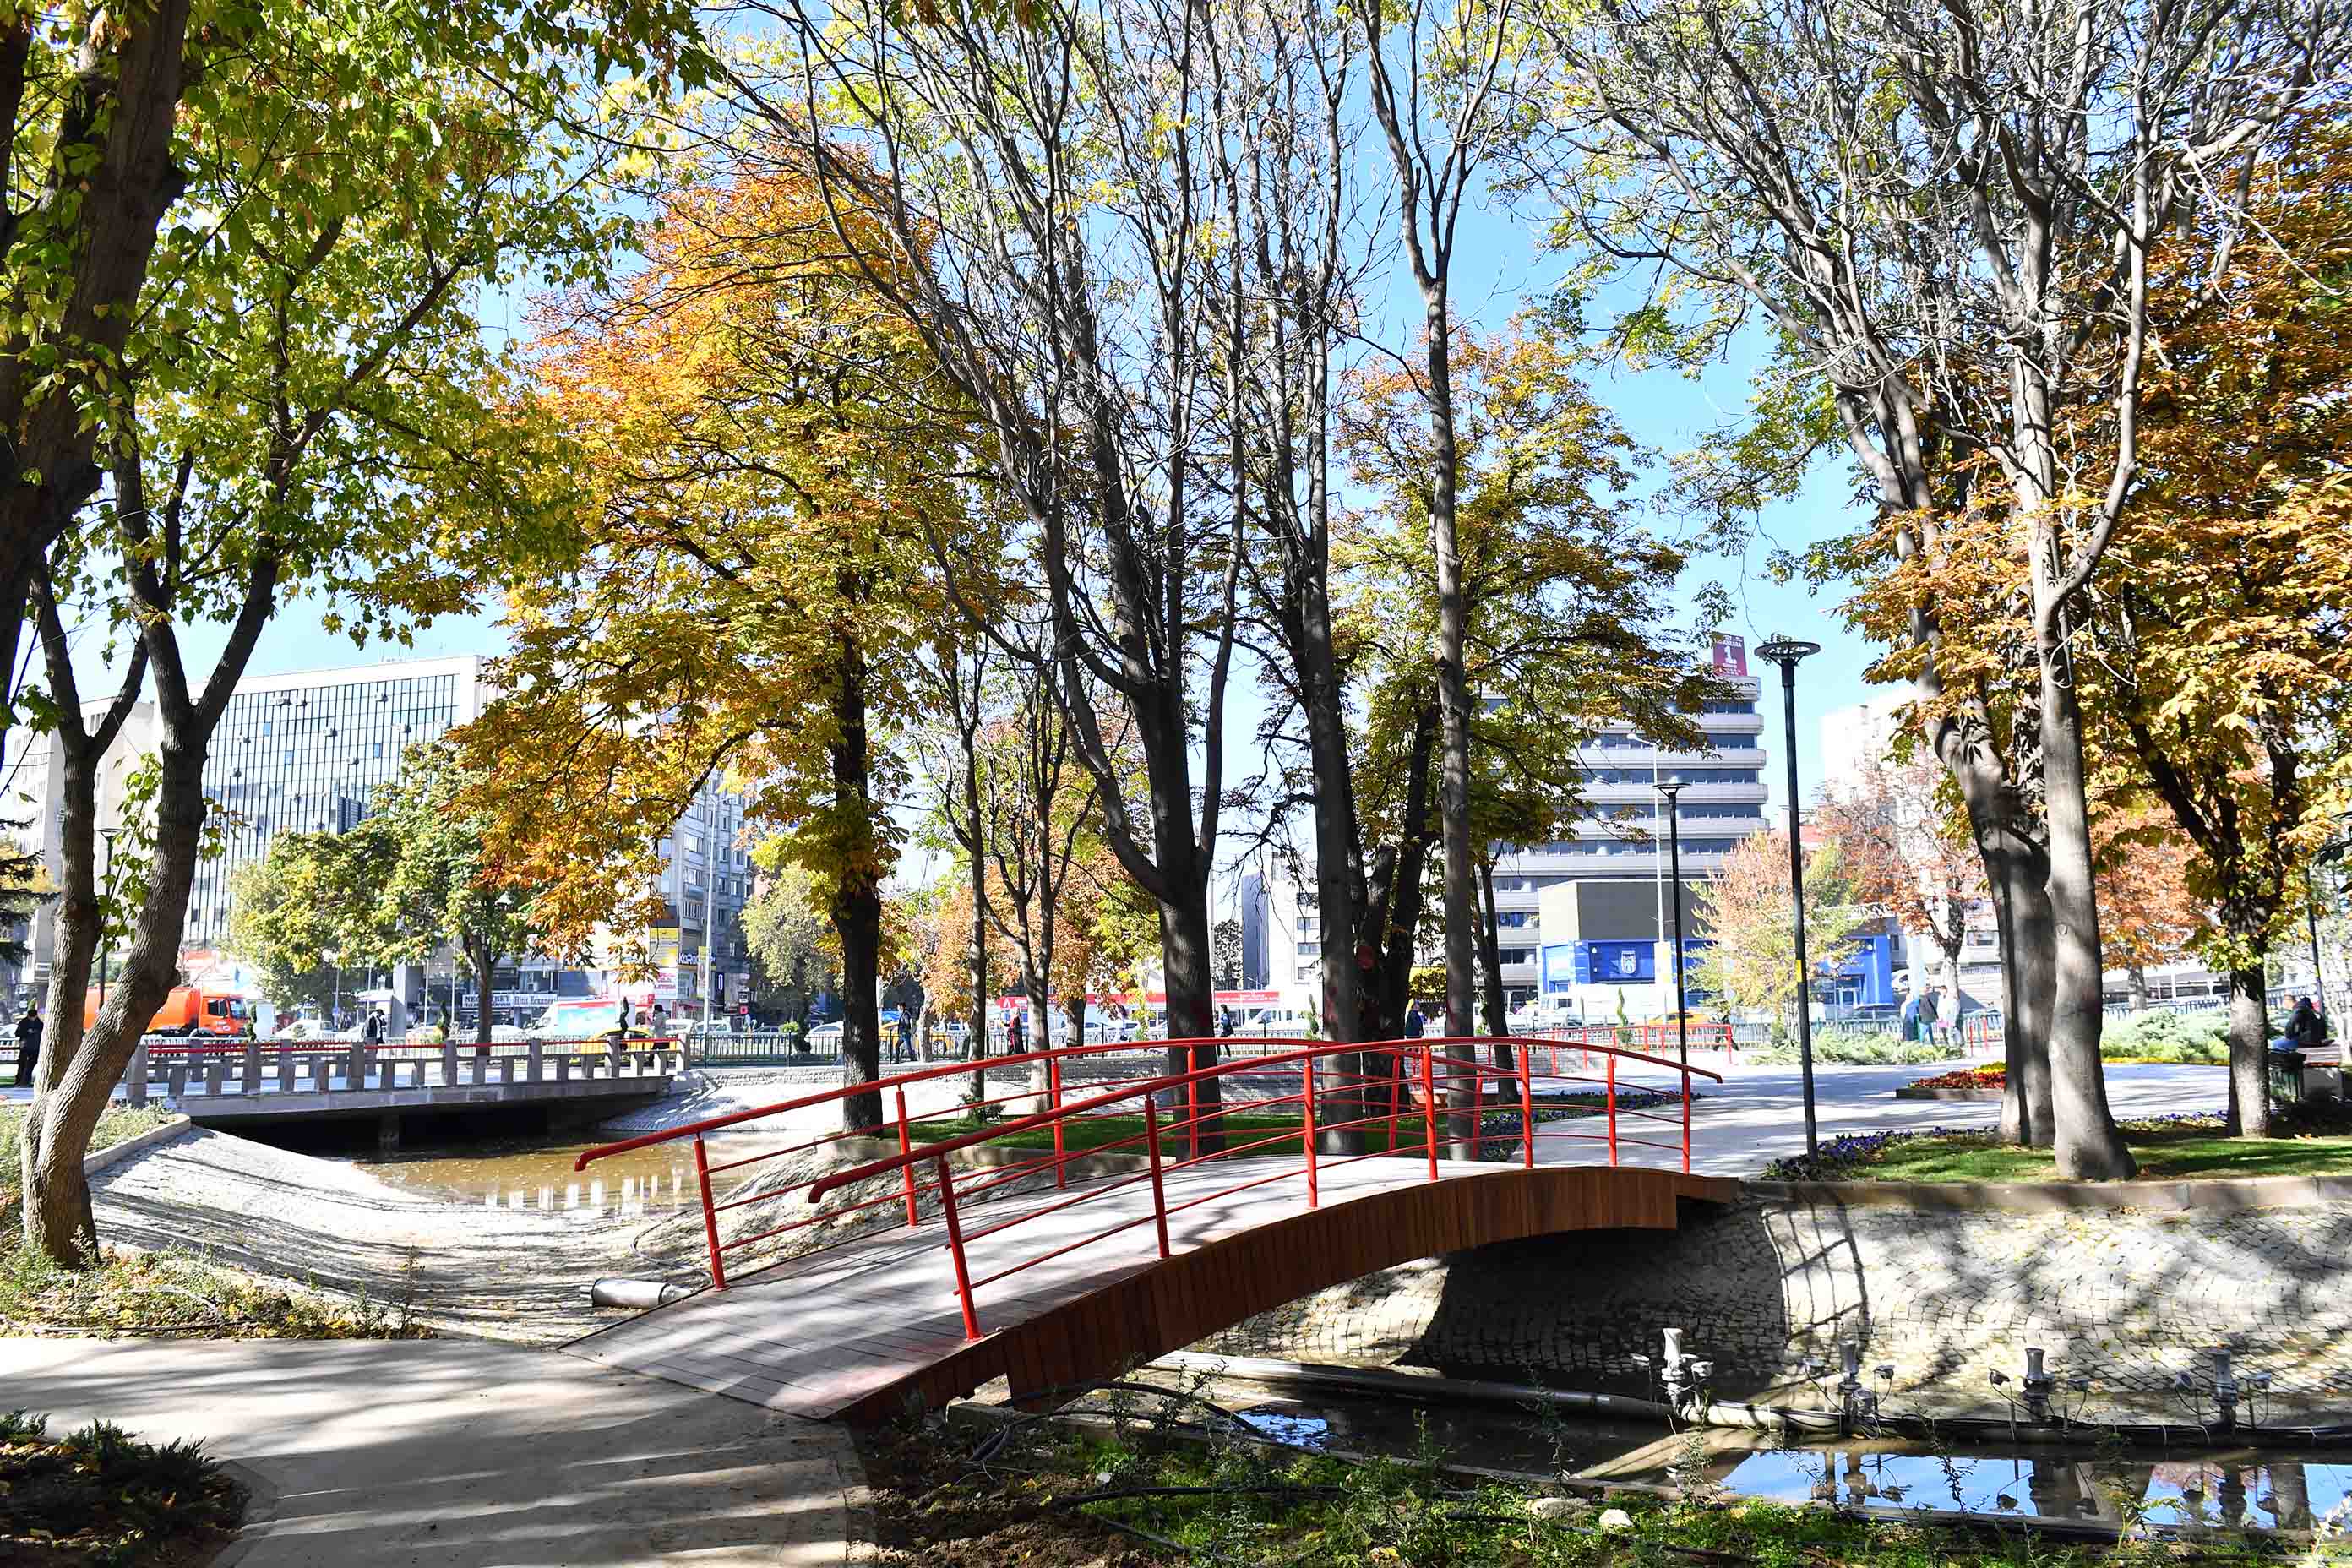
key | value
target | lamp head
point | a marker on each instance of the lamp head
(1786, 651)
(1669, 787)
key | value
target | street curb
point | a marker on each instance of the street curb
(93, 1163)
(260, 1512)
(2222, 1195)
(1912, 1092)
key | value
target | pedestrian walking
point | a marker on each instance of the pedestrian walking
(1947, 1016)
(28, 1045)
(372, 1032)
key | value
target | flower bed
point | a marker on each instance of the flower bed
(1962, 1083)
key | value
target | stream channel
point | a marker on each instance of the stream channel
(2106, 1487)
(2181, 1489)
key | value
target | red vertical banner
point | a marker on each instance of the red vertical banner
(1730, 654)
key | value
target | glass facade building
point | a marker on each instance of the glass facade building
(305, 753)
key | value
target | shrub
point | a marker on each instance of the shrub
(2167, 1037)
(1852, 1048)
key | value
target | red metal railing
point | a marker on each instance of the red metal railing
(1296, 1115)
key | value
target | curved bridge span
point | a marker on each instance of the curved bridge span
(1028, 1271)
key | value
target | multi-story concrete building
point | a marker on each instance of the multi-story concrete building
(306, 752)
(1624, 839)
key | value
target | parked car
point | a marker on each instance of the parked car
(825, 1037)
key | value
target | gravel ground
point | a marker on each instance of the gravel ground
(508, 1274)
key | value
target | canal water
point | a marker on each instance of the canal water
(2100, 1485)
(537, 1174)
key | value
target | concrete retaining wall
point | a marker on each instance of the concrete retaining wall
(1945, 1294)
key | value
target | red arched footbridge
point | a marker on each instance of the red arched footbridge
(1103, 1214)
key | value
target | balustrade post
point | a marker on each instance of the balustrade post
(137, 1081)
(1159, 1193)
(249, 1078)
(1429, 1103)
(709, 1213)
(1053, 1087)
(537, 1060)
(1686, 1091)
(285, 1069)
(907, 1146)
(955, 1249)
(1307, 1081)
(1612, 1109)
(448, 1064)
(1528, 1106)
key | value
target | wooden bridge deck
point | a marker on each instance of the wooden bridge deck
(858, 1331)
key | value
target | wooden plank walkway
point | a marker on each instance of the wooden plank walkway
(859, 1331)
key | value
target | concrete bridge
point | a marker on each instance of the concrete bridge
(255, 1084)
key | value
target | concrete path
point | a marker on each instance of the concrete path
(460, 1454)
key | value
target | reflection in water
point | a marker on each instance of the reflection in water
(648, 1182)
(2105, 1486)
(2236, 1491)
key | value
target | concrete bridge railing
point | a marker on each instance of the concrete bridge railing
(261, 1069)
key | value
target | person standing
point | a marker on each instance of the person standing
(1947, 1016)
(1016, 1032)
(1412, 1023)
(372, 1032)
(28, 1045)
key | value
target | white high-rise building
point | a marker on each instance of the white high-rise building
(1622, 840)
(305, 752)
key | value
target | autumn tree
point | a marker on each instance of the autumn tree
(786, 926)
(766, 457)
(1907, 850)
(305, 411)
(2221, 636)
(1446, 79)
(1058, 293)
(411, 877)
(2147, 912)
(1750, 957)
(1946, 216)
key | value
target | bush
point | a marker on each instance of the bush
(1852, 1048)
(2167, 1037)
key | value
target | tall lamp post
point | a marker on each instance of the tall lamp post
(106, 912)
(1670, 788)
(1785, 652)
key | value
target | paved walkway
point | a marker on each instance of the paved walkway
(372, 1453)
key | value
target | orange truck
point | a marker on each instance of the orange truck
(190, 1010)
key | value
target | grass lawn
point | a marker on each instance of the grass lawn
(2165, 1152)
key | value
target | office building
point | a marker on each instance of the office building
(306, 752)
(1622, 841)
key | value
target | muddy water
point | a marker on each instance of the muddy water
(538, 1174)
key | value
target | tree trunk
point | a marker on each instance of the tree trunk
(1490, 963)
(76, 1092)
(485, 961)
(2249, 1048)
(1186, 960)
(2014, 874)
(857, 900)
(65, 1235)
(1453, 707)
(2088, 1145)
(2135, 994)
(1339, 882)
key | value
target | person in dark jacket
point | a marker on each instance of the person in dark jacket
(28, 1045)
(2305, 1029)
(1412, 1024)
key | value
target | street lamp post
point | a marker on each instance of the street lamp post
(1670, 788)
(2327, 855)
(106, 912)
(1785, 652)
